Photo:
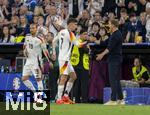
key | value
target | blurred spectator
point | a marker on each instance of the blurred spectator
(75, 7)
(59, 4)
(35, 19)
(46, 11)
(140, 72)
(45, 3)
(53, 21)
(135, 6)
(42, 29)
(23, 10)
(143, 22)
(141, 4)
(38, 11)
(15, 11)
(134, 28)
(120, 4)
(111, 15)
(95, 5)
(97, 17)
(14, 25)
(6, 37)
(84, 19)
(31, 4)
(123, 23)
(98, 69)
(103, 36)
(148, 21)
(131, 6)
(17, 3)
(94, 32)
(109, 5)
(6, 9)
(41, 21)
(23, 27)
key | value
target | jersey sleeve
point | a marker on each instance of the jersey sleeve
(43, 43)
(55, 41)
(76, 41)
(26, 39)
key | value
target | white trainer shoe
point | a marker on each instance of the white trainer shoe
(111, 103)
(121, 102)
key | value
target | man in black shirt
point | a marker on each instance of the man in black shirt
(114, 51)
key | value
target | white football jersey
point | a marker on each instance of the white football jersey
(66, 41)
(34, 46)
(65, 45)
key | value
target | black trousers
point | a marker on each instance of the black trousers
(80, 88)
(114, 69)
(53, 77)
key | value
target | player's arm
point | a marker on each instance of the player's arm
(54, 44)
(45, 51)
(78, 42)
(25, 52)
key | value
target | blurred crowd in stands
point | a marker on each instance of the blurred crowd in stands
(133, 16)
(93, 16)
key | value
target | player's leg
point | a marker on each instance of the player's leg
(71, 80)
(26, 74)
(61, 85)
(69, 84)
(37, 72)
(63, 78)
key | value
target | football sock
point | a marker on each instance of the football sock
(60, 91)
(68, 88)
(40, 85)
(29, 84)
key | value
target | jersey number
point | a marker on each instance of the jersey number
(31, 46)
(61, 43)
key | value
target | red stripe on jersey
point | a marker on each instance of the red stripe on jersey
(42, 40)
(72, 36)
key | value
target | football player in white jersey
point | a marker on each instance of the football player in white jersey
(33, 48)
(66, 40)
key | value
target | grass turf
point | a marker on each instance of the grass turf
(98, 109)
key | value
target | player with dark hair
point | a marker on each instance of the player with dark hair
(66, 40)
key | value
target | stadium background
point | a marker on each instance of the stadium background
(16, 16)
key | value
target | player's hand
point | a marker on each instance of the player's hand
(99, 57)
(93, 39)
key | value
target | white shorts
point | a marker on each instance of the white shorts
(65, 67)
(32, 70)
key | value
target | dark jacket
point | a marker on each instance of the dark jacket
(115, 47)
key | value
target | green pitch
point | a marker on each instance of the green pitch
(98, 109)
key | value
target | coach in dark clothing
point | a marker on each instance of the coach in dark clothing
(114, 51)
